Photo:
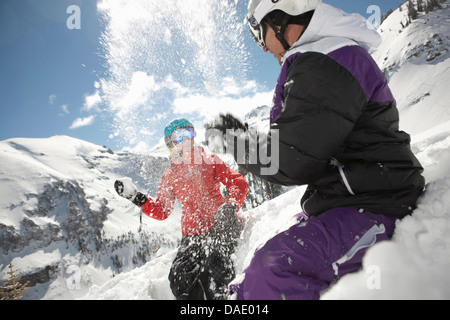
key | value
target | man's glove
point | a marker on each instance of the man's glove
(126, 189)
(226, 122)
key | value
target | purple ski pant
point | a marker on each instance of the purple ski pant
(301, 262)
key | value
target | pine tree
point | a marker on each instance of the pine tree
(388, 13)
(432, 5)
(412, 12)
(420, 6)
(13, 289)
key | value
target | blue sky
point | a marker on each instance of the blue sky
(118, 81)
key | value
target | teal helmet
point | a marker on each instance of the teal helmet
(174, 125)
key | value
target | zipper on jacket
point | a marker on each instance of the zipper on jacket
(303, 205)
(336, 163)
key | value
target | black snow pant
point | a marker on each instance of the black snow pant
(203, 268)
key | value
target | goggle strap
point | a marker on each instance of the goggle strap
(279, 34)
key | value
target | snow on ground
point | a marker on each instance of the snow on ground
(414, 265)
(416, 62)
(150, 281)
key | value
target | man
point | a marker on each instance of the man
(203, 267)
(337, 127)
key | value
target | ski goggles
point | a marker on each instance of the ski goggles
(180, 134)
(257, 31)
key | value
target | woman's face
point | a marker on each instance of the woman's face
(185, 145)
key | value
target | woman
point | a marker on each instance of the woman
(202, 268)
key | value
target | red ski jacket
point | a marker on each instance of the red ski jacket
(195, 181)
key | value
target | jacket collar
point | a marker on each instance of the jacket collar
(331, 29)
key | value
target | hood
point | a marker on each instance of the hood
(332, 28)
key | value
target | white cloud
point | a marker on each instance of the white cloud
(232, 97)
(139, 147)
(230, 87)
(209, 106)
(138, 92)
(174, 86)
(92, 101)
(65, 108)
(52, 98)
(82, 122)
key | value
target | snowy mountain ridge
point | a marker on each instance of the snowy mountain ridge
(415, 60)
(59, 212)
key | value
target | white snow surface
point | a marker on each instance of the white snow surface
(413, 265)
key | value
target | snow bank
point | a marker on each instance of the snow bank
(148, 282)
(415, 264)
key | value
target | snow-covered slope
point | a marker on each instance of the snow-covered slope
(414, 265)
(416, 62)
(61, 218)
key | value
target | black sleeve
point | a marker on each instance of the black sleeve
(322, 104)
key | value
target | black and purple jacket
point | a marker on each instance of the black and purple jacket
(338, 124)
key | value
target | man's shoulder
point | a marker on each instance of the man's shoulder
(309, 61)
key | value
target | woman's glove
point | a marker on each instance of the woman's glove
(126, 189)
(226, 214)
(227, 229)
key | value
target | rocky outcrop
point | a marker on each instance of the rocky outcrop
(71, 219)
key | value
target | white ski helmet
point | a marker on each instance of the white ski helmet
(259, 9)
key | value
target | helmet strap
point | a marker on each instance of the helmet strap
(279, 34)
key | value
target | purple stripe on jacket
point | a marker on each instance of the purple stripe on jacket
(358, 62)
